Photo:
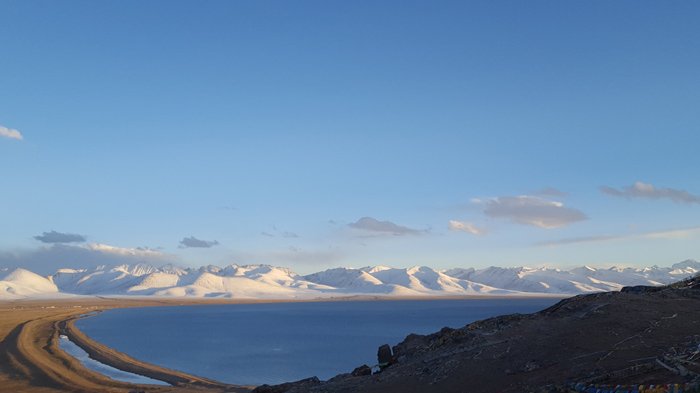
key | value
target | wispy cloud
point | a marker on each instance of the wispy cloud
(532, 210)
(551, 192)
(193, 242)
(645, 190)
(10, 133)
(582, 239)
(369, 224)
(277, 233)
(673, 233)
(463, 226)
(681, 233)
(60, 237)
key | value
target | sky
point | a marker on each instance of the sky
(316, 134)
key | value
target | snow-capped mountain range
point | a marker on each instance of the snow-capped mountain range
(269, 282)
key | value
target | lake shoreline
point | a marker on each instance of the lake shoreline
(35, 363)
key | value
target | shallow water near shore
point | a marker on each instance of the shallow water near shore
(273, 343)
(118, 375)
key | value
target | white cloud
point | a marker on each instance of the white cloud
(463, 226)
(645, 190)
(10, 133)
(532, 210)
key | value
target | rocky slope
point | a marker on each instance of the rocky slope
(640, 335)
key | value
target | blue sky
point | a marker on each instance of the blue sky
(314, 134)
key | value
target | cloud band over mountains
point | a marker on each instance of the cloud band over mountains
(46, 259)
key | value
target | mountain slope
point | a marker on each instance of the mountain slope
(22, 283)
(578, 280)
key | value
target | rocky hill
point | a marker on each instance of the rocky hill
(640, 335)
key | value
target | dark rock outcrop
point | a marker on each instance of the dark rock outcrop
(301, 385)
(639, 289)
(384, 356)
(362, 371)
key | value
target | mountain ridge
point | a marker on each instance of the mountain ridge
(268, 282)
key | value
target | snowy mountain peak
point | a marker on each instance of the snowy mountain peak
(23, 283)
(374, 269)
(136, 270)
(688, 264)
(23, 276)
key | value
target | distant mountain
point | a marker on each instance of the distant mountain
(415, 281)
(22, 283)
(264, 281)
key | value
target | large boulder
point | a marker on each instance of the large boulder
(384, 356)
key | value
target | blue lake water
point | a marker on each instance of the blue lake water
(272, 343)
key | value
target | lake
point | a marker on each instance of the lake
(279, 342)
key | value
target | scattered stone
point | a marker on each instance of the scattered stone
(531, 366)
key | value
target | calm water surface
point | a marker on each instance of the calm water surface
(273, 343)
